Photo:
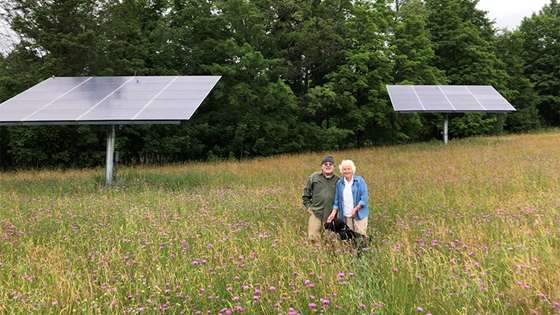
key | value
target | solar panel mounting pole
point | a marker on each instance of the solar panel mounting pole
(110, 155)
(445, 129)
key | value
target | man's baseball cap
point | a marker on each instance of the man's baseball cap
(327, 158)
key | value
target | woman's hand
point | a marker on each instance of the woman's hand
(331, 216)
(355, 211)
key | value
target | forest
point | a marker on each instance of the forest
(297, 76)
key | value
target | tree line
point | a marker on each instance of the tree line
(298, 75)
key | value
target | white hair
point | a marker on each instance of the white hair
(347, 163)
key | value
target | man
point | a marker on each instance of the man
(318, 197)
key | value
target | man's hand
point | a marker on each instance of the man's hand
(331, 216)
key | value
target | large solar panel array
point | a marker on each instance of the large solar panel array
(447, 99)
(108, 100)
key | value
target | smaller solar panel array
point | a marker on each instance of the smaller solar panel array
(95, 100)
(447, 99)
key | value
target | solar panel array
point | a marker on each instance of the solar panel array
(94, 100)
(447, 99)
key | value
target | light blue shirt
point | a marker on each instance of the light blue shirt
(359, 196)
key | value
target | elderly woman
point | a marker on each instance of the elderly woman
(351, 201)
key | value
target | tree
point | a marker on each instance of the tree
(521, 92)
(541, 53)
(412, 48)
(360, 105)
(464, 47)
(414, 64)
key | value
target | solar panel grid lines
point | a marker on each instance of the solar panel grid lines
(24, 92)
(154, 97)
(103, 99)
(419, 100)
(54, 100)
(447, 99)
(108, 100)
(476, 99)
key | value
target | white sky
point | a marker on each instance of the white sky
(509, 13)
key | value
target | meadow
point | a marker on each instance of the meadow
(468, 228)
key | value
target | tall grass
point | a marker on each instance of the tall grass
(472, 227)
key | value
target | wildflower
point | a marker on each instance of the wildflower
(226, 311)
(292, 311)
(325, 302)
(340, 275)
(420, 309)
(312, 306)
(272, 289)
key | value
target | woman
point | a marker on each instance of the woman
(351, 202)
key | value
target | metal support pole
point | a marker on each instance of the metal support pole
(445, 129)
(110, 155)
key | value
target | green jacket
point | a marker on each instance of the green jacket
(318, 194)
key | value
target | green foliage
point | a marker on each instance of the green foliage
(296, 75)
(541, 53)
(521, 92)
(414, 54)
(464, 46)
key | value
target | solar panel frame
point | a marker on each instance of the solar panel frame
(108, 100)
(447, 99)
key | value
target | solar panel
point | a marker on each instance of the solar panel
(97, 100)
(447, 99)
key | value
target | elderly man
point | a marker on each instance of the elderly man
(318, 197)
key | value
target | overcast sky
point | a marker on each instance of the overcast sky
(509, 13)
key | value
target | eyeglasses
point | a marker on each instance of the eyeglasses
(328, 164)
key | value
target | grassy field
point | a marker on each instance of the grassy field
(469, 228)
